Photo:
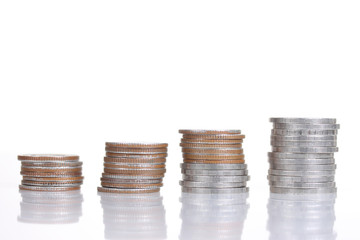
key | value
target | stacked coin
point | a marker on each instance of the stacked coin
(213, 161)
(133, 167)
(302, 157)
(50, 172)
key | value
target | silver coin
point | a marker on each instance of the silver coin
(303, 167)
(210, 131)
(305, 149)
(52, 184)
(301, 185)
(304, 120)
(215, 172)
(300, 173)
(303, 132)
(212, 184)
(303, 143)
(215, 191)
(301, 190)
(309, 161)
(304, 138)
(52, 168)
(279, 155)
(289, 126)
(205, 166)
(305, 179)
(117, 176)
(216, 178)
(139, 165)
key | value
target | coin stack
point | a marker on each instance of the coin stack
(213, 162)
(50, 172)
(133, 167)
(302, 157)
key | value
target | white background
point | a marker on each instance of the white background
(75, 74)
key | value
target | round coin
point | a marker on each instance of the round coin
(214, 136)
(301, 185)
(52, 164)
(215, 172)
(213, 156)
(301, 173)
(306, 149)
(304, 138)
(51, 174)
(219, 161)
(123, 176)
(134, 160)
(137, 155)
(303, 167)
(192, 166)
(136, 150)
(212, 184)
(211, 141)
(303, 144)
(212, 151)
(306, 126)
(128, 191)
(216, 178)
(133, 181)
(134, 172)
(211, 146)
(134, 166)
(302, 190)
(48, 157)
(280, 155)
(215, 190)
(305, 179)
(303, 132)
(304, 120)
(136, 145)
(198, 131)
(53, 179)
(131, 185)
(48, 189)
(309, 161)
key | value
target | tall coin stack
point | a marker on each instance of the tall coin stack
(133, 167)
(302, 157)
(213, 162)
(50, 172)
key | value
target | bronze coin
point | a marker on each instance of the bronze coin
(49, 183)
(212, 151)
(127, 191)
(129, 185)
(134, 160)
(136, 145)
(214, 161)
(134, 166)
(128, 176)
(136, 150)
(215, 136)
(134, 172)
(127, 155)
(211, 132)
(200, 145)
(214, 157)
(58, 178)
(211, 141)
(48, 157)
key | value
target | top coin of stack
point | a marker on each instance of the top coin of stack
(213, 161)
(133, 167)
(302, 157)
(50, 172)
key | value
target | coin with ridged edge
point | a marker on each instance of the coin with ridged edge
(212, 151)
(303, 143)
(193, 166)
(212, 185)
(309, 161)
(301, 173)
(138, 181)
(136, 150)
(136, 145)
(134, 160)
(131, 185)
(137, 155)
(304, 179)
(215, 190)
(303, 167)
(306, 149)
(124, 176)
(214, 136)
(130, 191)
(301, 185)
(211, 146)
(52, 179)
(216, 178)
(304, 120)
(313, 138)
(135, 172)
(214, 156)
(215, 172)
(282, 155)
(303, 132)
(290, 126)
(48, 157)
(211, 141)
(219, 161)
(302, 190)
(48, 189)
(200, 131)
(135, 166)
(52, 164)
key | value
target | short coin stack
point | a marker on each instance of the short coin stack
(302, 157)
(133, 167)
(213, 162)
(50, 172)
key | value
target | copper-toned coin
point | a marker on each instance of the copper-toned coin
(134, 160)
(214, 157)
(136, 150)
(129, 185)
(127, 155)
(214, 136)
(57, 178)
(51, 169)
(133, 181)
(136, 145)
(128, 176)
(134, 166)
(214, 161)
(48, 189)
(199, 131)
(48, 157)
(50, 183)
(50, 174)
(212, 151)
(116, 190)
(52, 164)
(205, 146)
(134, 172)
(211, 141)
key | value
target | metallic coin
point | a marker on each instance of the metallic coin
(303, 167)
(127, 155)
(48, 157)
(212, 151)
(305, 179)
(52, 164)
(219, 161)
(289, 126)
(214, 190)
(304, 120)
(305, 149)
(214, 136)
(134, 166)
(301, 185)
(212, 184)
(211, 146)
(302, 190)
(131, 185)
(211, 141)
(214, 156)
(279, 155)
(131, 191)
(136, 150)
(52, 174)
(198, 131)
(134, 180)
(300, 173)
(48, 189)
(123, 176)
(304, 138)
(307, 132)
(135, 172)
(134, 160)
(216, 178)
(53, 179)
(51, 184)
(309, 161)
(136, 145)
(200, 166)
(303, 143)
(50, 169)
(215, 172)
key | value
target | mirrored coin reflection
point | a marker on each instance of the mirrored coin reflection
(133, 216)
(308, 216)
(50, 207)
(213, 216)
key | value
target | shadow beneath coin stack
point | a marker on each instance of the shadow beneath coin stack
(133, 216)
(213, 216)
(50, 207)
(309, 216)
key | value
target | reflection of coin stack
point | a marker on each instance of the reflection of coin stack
(302, 157)
(133, 216)
(309, 216)
(50, 207)
(133, 167)
(50, 172)
(213, 216)
(213, 161)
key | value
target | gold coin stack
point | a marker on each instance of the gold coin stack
(213, 161)
(50, 172)
(133, 167)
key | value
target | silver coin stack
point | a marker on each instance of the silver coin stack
(213, 162)
(302, 158)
